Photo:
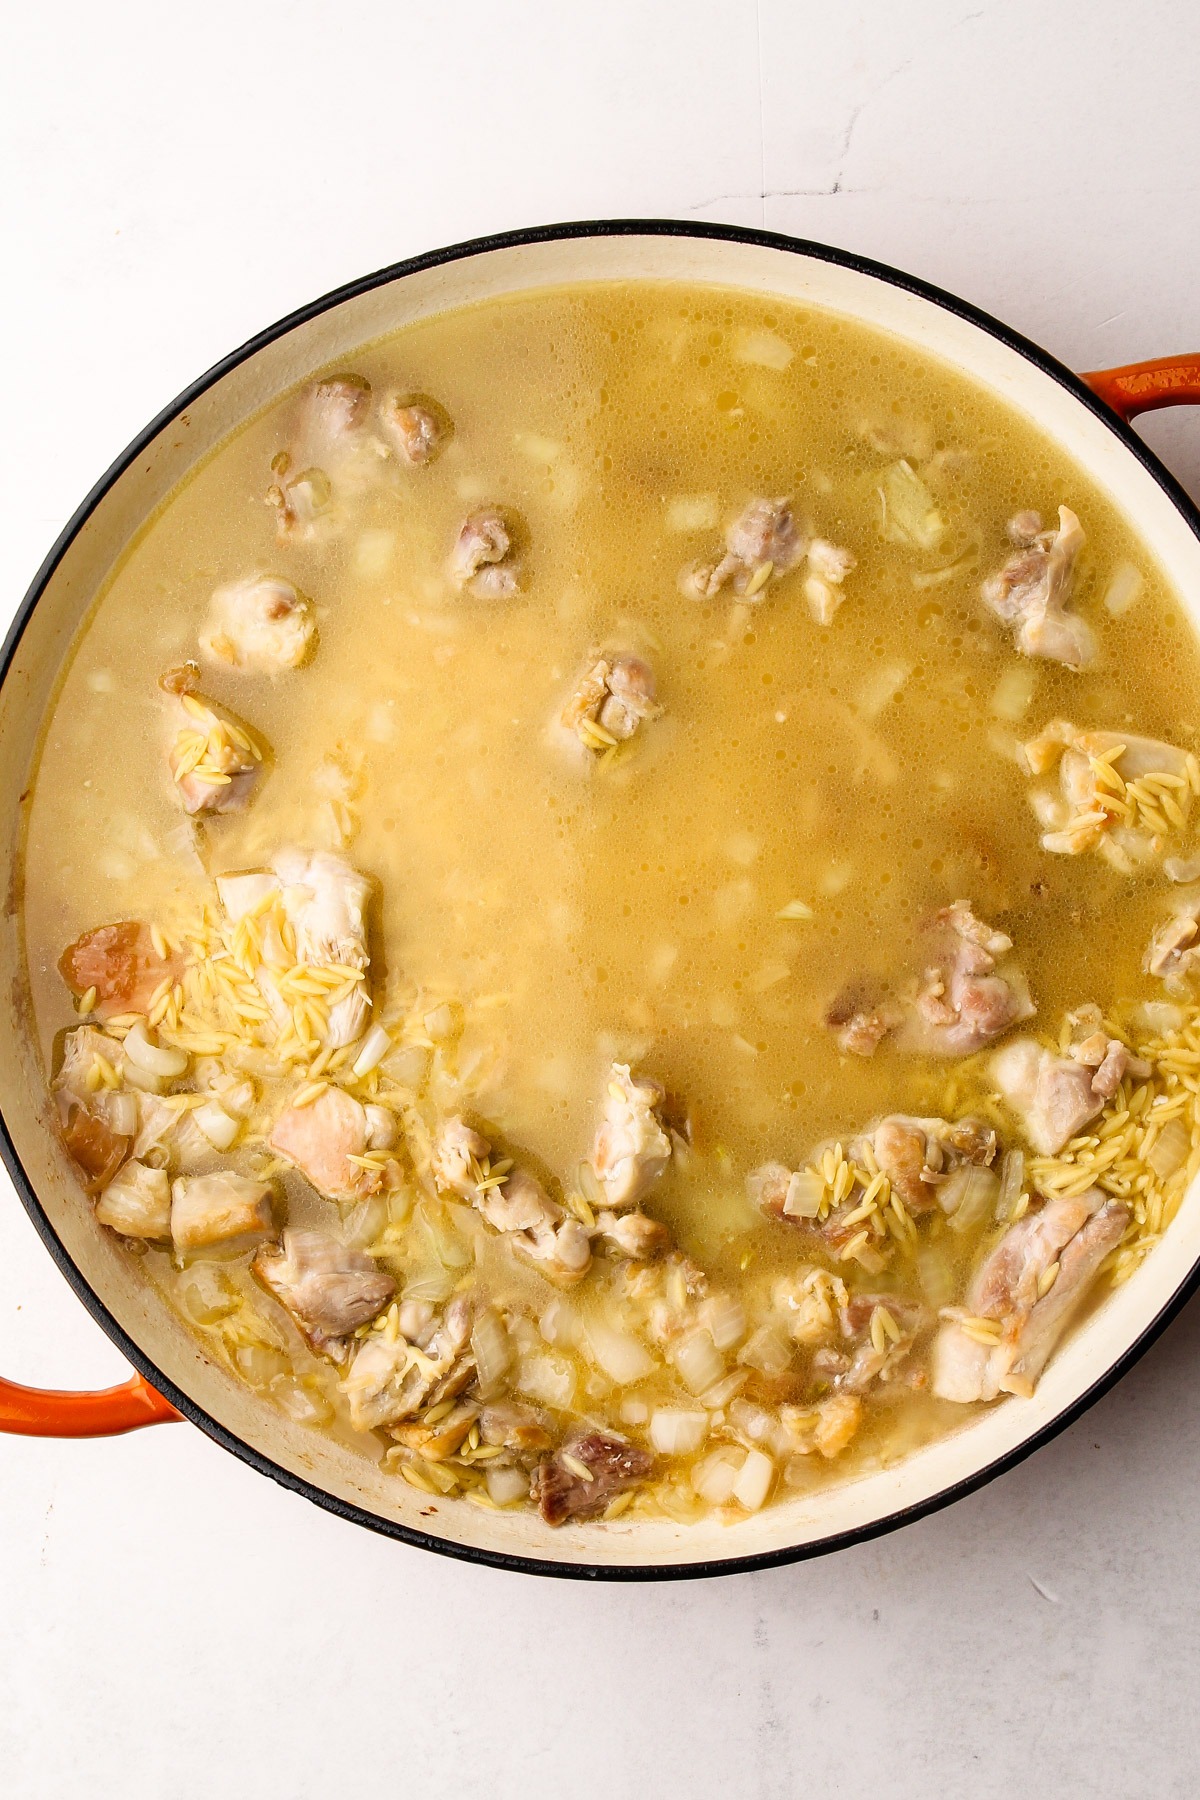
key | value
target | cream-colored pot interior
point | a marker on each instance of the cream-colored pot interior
(790, 1526)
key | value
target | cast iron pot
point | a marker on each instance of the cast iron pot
(1087, 415)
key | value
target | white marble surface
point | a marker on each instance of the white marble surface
(173, 178)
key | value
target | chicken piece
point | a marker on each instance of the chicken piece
(861, 1016)
(810, 1302)
(220, 1208)
(1056, 1096)
(1031, 591)
(123, 965)
(631, 1148)
(585, 1474)
(1174, 949)
(826, 1428)
(214, 760)
(94, 1146)
(633, 1235)
(260, 625)
(510, 1425)
(329, 1289)
(137, 1202)
(513, 1203)
(761, 542)
(610, 702)
(458, 1158)
(436, 1442)
(969, 993)
(325, 901)
(337, 408)
(483, 560)
(322, 1138)
(83, 1050)
(393, 1377)
(418, 428)
(917, 1155)
(884, 1329)
(1122, 794)
(1031, 1285)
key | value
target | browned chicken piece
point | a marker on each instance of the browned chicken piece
(917, 1155)
(582, 1477)
(1031, 591)
(1031, 1286)
(969, 994)
(221, 1208)
(1173, 952)
(261, 625)
(322, 1138)
(337, 407)
(98, 1150)
(445, 1438)
(123, 965)
(509, 1425)
(611, 701)
(631, 1149)
(329, 1288)
(826, 1428)
(418, 427)
(137, 1202)
(213, 757)
(1119, 793)
(513, 1203)
(484, 561)
(633, 1235)
(1056, 1096)
(883, 1329)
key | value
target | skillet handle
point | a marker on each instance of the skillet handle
(1144, 387)
(49, 1412)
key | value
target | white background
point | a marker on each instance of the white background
(174, 177)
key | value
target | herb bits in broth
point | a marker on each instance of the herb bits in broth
(612, 900)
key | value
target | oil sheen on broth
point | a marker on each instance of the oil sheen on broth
(737, 901)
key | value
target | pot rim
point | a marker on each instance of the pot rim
(508, 240)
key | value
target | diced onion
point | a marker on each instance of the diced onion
(804, 1194)
(216, 1124)
(969, 1196)
(375, 1047)
(122, 1114)
(754, 1480)
(505, 1486)
(156, 1059)
(713, 1478)
(622, 1357)
(550, 1379)
(1170, 1150)
(723, 1391)
(699, 1362)
(492, 1350)
(1123, 589)
(677, 1433)
(725, 1320)
(1012, 1180)
(766, 1350)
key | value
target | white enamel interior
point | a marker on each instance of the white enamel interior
(30, 684)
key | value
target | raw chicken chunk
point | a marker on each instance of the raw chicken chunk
(1031, 591)
(1030, 1285)
(484, 561)
(218, 1209)
(585, 1474)
(631, 1148)
(260, 625)
(122, 963)
(329, 1289)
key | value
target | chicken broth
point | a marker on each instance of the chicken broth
(606, 850)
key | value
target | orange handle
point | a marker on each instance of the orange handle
(48, 1412)
(1144, 387)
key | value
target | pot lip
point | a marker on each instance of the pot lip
(428, 1540)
